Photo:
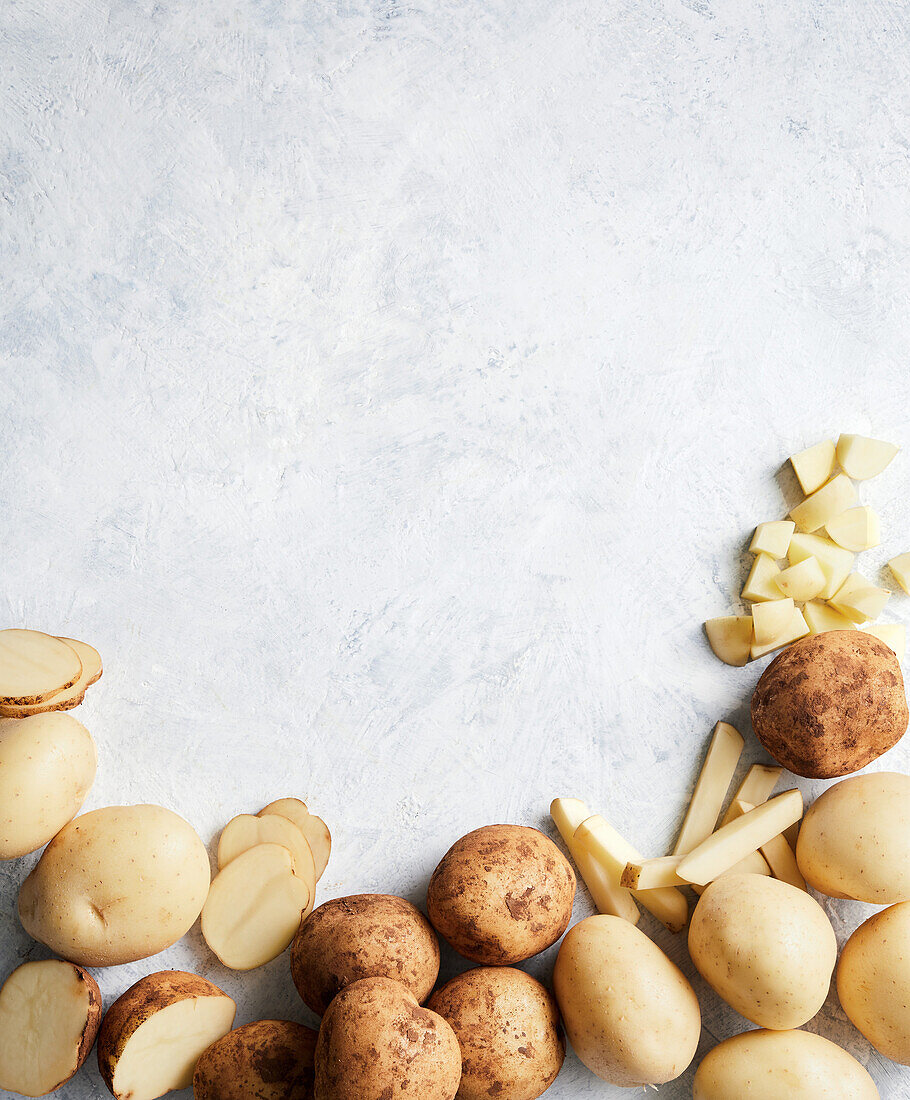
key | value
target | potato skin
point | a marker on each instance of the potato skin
(377, 1043)
(507, 1026)
(830, 704)
(268, 1060)
(501, 894)
(363, 936)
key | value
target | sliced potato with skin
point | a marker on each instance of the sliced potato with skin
(268, 1060)
(862, 458)
(814, 465)
(154, 1033)
(730, 638)
(35, 667)
(70, 697)
(254, 907)
(247, 830)
(802, 581)
(50, 1013)
(835, 562)
(761, 584)
(772, 538)
(313, 828)
(824, 504)
(856, 529)
(605, 889)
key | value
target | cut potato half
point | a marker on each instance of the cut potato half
(313, 828)
(859, 599)
(761, 584)
(778, 853)
(835, 562)
(797, 628)
(900, 567)
(824, 504)
(772, 538)
(34, 667)
(50, 1013)
(730, 638)
(153, 1035)
(254, 907)
(70, 697)
(862, 458)
(856, 529)
(814, 465)
(802, 581)
(893, 635)
(710, 790)
(822, 617)
(605, 890)
(247, 830)
(771, 620)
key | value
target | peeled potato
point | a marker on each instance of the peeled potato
(856, 529)
(35, 666)
(814, 465)
(246, 831)
(824, 504)
(313, 828)
(862, 458)
(730, 637)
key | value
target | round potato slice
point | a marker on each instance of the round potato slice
(313, 828)
(268, 1060)
(70, 697)
(247, 831)
(50, 1013)
(35, 666)
(254, 907)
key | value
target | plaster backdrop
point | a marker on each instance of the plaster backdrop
(389, 391)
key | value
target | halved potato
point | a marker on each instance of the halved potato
(761, 584)
(824, 504)
(730, 638)
(859, 599)
(802, 581)
(70, 697)
(153, 1035)
(313, 828)
(861, 457)
(856, 529)
(772, 538)
(247, 830)
(814, 465)
(35, 667)
(268, 1060)
(50, 1013)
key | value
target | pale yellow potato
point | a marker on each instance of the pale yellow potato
(873, 981)
(859, 599)
(797, 628)
(861, 458)
(835, 562)
(781, 1065)
(900, 567)
(313, 828)
(771, 620)
(47, 767)
(247, 830)
(730, 637)
(855, 839)
(116, 885)
(639, 1026)
(834, 497)
(856, 529)
(761, 584)
(814, 465)
(772, 538)
(894, 635)
(765, 947)
(802, 581)
(821, 617)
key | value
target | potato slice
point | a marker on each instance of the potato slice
(892, 634)
(778, 853)
(313, 828)
(856, 529)
(771, 620)
(605, 890)
(652, 874)
(246, 831)
(797, 628)
(711, 788)
(802, 581)
(835, 562)
(760, 780)
(824, 504)
(50, 1013)
(862, 458)
(265, 1060)
(900, 567)
(254, 907)
(772, 538)
(70, 697)
(814, 465)
(154, 1033)
(859, 599)
(822, 617)
(35, 667)
(730, 638)
(761, 584)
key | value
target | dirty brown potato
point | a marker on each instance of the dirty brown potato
(363, 936)
(507, 1025)
(377, 1043)
(268, 1060)
(501, 894)
(830, 704)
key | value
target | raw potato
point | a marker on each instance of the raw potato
(856, 529)
(824, 504)
(377, 1043)
(760, 780)
(652, 874)
(822, 617)
(761, 584)
(605, 889)
(814, 466)
(50, 1013)
(835, 562)
(781, 1065)
(802, 581)
(72, 696)
(873, 981)
(796, 629)
(730, 637)
(153, 1035)
(900, 567)
(772, 538)
(254, 907)
(862, 458)
(778, 854)
(116, 885)
(363, 936)
(313, 828)
(830, 704)
(855, 839)
(764, 946)
(265, 1060)
(47, 767)
(639, 1027)
(894, 635)
(711, 788)
(34, 667)
(859, 600)
(508, 1029)
(501, 894)
(246, 831)
(771, 620)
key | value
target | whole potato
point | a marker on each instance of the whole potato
(764, 946)
(47, 767)
(268, 1060)
(377, 1043)
(116, 885)
(873, 981)
(854, 841)
(507, 1026)
(630, 1014)
(501, 894)
(796, 1065)
(830, 703)
(363, 936)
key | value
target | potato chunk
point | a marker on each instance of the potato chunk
(835, 562)
(824, 504)
(797, 628)
(771, 620)
(900, 567)
(859, 599)
(761, 584)
(802, 581)
(814, 465)
(822, 617)
(772, 538)
(856, 529)
(862, 458)
(730, 637)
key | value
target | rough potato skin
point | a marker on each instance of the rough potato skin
(507, 1025)
(265, 1060)
(363, 936)
(377, 1043)
(830, 704)
(93, 1017)
(502, 894)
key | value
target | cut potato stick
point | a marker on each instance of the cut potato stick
(759, 782)
(313, 828)
(652, 874)
(613, 852)
(753, 864)
(711, 788)
(70, 697)
(34, 667)
(779, 854)
(606, 892)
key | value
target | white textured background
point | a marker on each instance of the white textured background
(389, 391)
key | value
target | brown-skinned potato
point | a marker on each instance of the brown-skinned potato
(268, 1060)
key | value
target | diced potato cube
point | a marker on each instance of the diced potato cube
(900, 567)
(798, 628)
(770, 620)
(836, 563)
(731, 638)
(859, 600)
(761, 584)
(772, 538)
(822, 617)
(892, 634)
(856, 529)
(862, 458)
(824, 504)
(802, 581)
(814, 466)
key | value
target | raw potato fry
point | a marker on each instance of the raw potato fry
(50, 1013)
(859, 600)
(772, 538)
(254, 907)
(798, 628)
(730, 638)
(34, 667)
(835, 562)
(313, 828)
(760, 781)
(892, 634)
(824, 504)
(778, 854)
(900, 567)
(613, 852)
(856, 529)
(70, 697)
(246, 831)
(652, 874)
(771, 620)
(711, 788)
(734, 841)
(753, 864)
(761, 584)
(822, 617)
(802, 581)
(608, 895)
(814, 466)
(862, 458)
